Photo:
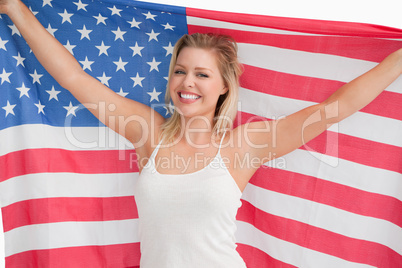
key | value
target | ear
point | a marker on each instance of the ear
(224, 90)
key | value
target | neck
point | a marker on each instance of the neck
(197, 130)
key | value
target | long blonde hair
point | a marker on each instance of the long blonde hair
(230, 68)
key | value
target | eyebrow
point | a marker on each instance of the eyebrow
(197, 68)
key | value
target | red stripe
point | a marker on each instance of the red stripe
(351, 47)
(347, 147)
(357, 150)
(256, 258)
(122, 255)
(58, 160)
(300, 25)
(329, 193)
(387, 104)
(308, 236)
(61, 209)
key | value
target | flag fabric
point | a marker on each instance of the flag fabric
(67, 182)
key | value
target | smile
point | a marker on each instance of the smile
(188, 98)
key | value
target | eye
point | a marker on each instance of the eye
(179, 72)
(203, 75)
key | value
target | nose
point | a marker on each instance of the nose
(188, 81)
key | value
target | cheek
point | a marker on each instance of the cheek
(172, 86)
(175, 81)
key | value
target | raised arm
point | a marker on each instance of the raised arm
(287, 134)
(65, 69)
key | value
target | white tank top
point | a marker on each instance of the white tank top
(188, 220)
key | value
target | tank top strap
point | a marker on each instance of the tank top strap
(156, 149)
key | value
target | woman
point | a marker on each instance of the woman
(190, 182)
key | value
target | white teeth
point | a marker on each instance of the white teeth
(189, 96)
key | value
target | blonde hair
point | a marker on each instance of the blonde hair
(230, 68)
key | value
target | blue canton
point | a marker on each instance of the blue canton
(127, 45)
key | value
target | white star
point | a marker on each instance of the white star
(119, 34)
(86, 64)
(168, 26)
(137, 80)
(120, 65)
(20, 60)
(53, 94)
(104, 79)
(36, 77)
(80, 5)
(136, 49)
(33, 12)
(40, 107)
(50, 30)
(66, 16)
(9, 108)
(70, 109)
(115, 11)
(154, 95)
(14, 30)
(149, 16)
(47, 2)
(134, 23)
(3, 44)
(102, 49)
(69, 47)
(152, 35)
(23, 90)
(5, 76)
(122, 93)
(154, 64)
(100, 19)
(84, 33)
(169, 49)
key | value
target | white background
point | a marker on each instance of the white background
(382, 12)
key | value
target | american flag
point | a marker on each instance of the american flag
(67, 182)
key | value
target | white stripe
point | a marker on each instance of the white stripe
(322, 66)
(48, 185)
(361, 125)
(288, 252)
(70, 234)
(341, 171)
(69, 138)
(240, 27)
(325, 217)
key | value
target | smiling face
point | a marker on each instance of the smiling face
(203, 81)
(196, 83)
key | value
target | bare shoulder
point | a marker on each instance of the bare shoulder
(237, 152)
(253, 135)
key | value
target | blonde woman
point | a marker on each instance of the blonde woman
(189, 187)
